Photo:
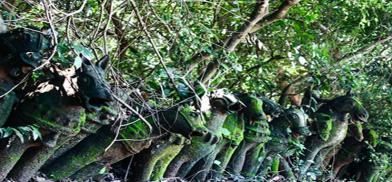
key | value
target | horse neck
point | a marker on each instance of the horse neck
(280, 124)
(328, 109)
(216, 120)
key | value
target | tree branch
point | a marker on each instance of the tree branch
(287, 90)
(365, 50)
(259, 12)
(275, 15)
(160, 58)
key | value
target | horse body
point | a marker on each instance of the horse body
(336, 114)
(290, 125)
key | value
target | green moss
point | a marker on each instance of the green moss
(138, 130)
(194, 119)
(15, 157)
(81, 123)
(224, 158)
(91, 151)
(324, 124)
(164, 161)
(257, 132)
(373, 137)
(77, 160)
(43, 123)
(256, 105)
(233, 128)
(275, 165)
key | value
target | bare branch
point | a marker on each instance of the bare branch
(365, 50)
(259, 12)
(160, 58)
(231, 43)
(275, 15)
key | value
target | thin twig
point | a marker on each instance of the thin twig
(160, 58)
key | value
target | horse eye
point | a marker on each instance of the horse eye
(295, 117)
(85, 79)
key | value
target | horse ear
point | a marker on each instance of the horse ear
(350, 92)
(103, 62)
(85, 61)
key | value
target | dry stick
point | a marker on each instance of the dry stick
(106, 28)
(365, 50)
(153, 44)
(128, 169)
(259, 12)
(71, 13)
(275, 15)
(132, 110)
(231, 43)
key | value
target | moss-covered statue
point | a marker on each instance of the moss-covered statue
(233, 133)
(286, 131)
(200, 147)
(223, 105)
(366, 161)
(151, 164)
(90, 155)
(252, 161)
(376, 162)
(351, 149)
(58, 107)
(332, 120)
(21, 50)
(256, 133)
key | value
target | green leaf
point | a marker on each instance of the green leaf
(80, 49)
(217, 162)
(78, 62)
(103, 170)
(225, 131)
(6, 132)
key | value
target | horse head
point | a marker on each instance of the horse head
(271, 108)
(253, 110)
(93, 89)
(349, 104)
(298, 121)
(22, 50)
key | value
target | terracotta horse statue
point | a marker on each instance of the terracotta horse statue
(90, 155)
(58, 107)
(332, 118)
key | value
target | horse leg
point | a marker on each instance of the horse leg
(83, 154)
(288, 172)
(115, 154)
(162, 164)
(175, 165)
(252, 161)
(266, 164)
(237, 162)
(223, 157)
(308, 161)
(147, 160)
(10, 155)
(33, 160)
(202, 168)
